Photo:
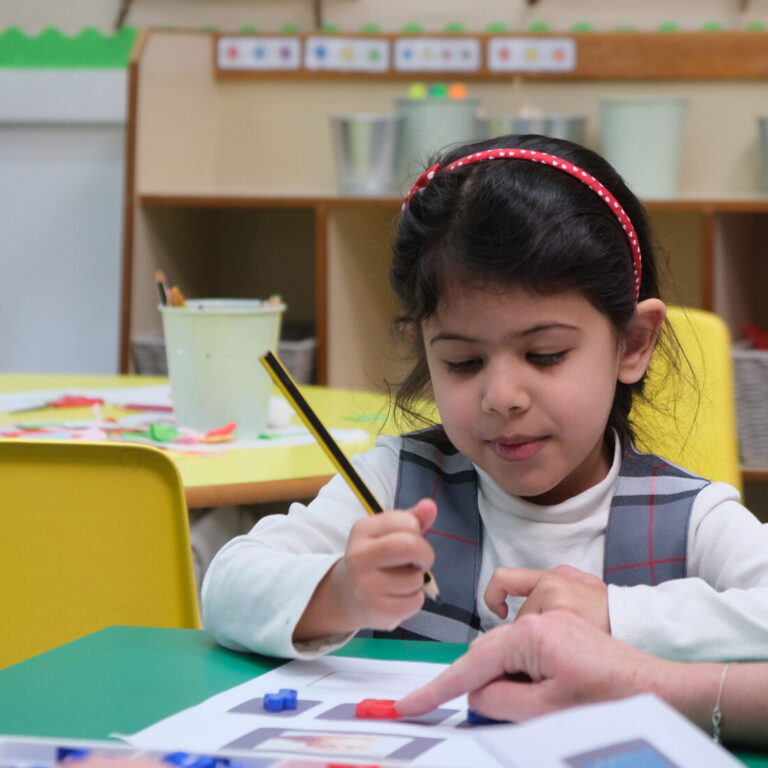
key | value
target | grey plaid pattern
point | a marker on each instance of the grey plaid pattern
(646, 537)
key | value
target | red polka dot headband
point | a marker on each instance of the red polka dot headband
(562, 165)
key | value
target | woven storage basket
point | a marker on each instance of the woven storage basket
(149, 355)
(750, 369)
(299, 358)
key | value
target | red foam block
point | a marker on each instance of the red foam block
(377, 709)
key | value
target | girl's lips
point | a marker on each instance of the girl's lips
(517, 450)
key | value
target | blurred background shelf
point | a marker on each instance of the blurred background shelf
(231, 187)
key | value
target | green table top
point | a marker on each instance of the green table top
(123, 679)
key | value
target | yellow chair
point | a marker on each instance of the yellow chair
(91, 535)
(691, 417)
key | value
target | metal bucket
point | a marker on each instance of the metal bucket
(642, 137)
(367, 147)
(432, 124)
(762, 127)
(569, 127)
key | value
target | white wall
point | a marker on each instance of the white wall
(61, 176)
(61, 147)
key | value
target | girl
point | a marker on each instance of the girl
(527, 277)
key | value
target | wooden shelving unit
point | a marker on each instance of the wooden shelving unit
(231, 186)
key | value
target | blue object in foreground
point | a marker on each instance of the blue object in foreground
(285, 698)
(475, 718)
(187, 760)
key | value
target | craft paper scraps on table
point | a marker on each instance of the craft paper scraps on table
(157, 429)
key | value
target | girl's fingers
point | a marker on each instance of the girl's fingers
(402, 581)
(388, 522)
(418, 518)
(395, 549)
(519, 582)
(425, 511)
(390, 611)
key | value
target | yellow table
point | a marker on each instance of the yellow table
(275, 473)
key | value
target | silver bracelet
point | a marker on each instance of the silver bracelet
(717, 714)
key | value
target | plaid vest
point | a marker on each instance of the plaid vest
(645, 540)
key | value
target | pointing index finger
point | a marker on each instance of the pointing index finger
(471, 671)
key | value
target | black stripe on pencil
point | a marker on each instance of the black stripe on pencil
(162, 286)
(288, 387)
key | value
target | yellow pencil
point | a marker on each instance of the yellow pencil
(290, 390)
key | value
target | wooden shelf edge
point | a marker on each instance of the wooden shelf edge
(757, 204)
(255, 493)
(681, 55)
(265, 200)
(754, 475)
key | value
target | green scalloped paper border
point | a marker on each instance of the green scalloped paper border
(52, 49)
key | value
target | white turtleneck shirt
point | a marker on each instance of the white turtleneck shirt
(259, 584)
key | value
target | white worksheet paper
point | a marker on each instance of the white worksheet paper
(637, 732)
(329, 688)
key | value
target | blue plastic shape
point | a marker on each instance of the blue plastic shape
(475, 718)
(290, 697)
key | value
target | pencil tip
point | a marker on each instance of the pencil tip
(430, 587)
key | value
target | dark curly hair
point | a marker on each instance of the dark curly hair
(515, 222)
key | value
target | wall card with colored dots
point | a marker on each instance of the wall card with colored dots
(340, 54)
(259, 54)
(392, 55)
(578, 56)
(520, 54)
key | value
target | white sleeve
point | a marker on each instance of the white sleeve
(721, 610)
(258, 585)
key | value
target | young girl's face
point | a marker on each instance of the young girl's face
(524, 385)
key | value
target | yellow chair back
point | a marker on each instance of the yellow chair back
(91, 535)
(691, 417)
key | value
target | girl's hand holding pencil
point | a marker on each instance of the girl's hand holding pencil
(386, 554)
(379, 582)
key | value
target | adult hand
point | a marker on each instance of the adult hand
(562, 588)
(378, 582)
(568, 661)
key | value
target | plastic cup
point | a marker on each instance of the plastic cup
(642, 137)
(213, 348)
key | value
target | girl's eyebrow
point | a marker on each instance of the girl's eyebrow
(445, 336)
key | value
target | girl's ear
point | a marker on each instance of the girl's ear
(640, 339)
